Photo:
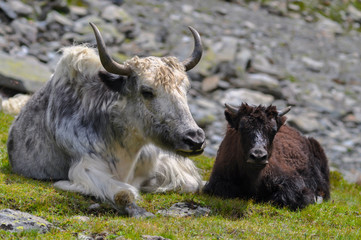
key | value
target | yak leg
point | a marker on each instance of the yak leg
(166, 172)
(223, 188)
(91, 176)
(290, 191)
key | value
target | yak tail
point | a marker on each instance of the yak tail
(320, 160)
(174, 173)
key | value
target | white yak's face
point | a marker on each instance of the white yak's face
(161, 106)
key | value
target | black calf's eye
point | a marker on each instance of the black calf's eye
(147, 92)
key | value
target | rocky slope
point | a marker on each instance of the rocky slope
(259, 54)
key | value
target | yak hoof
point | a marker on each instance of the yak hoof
(133, 210)
(123, 198)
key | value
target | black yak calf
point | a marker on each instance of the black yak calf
(264, 159)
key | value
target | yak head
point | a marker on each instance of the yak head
(154, 97)
(257, 127)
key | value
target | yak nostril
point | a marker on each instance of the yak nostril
(195, 139)
(258, 155)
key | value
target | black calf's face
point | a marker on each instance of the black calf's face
(256, 137)
(257, 127)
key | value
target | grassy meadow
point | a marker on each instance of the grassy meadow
(339, 218)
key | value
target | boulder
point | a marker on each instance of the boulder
(17, 221)
(24, 74)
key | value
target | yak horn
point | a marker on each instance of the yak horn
(108, 63)
(193, 60)
(284, 111)
(231, 108)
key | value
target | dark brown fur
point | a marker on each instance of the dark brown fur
(297, 171)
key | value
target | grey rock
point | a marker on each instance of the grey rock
(84, 237)
(238, 96)
(354, 13)
(188, 9)
(109, 32)
(328, 27)
(115, 13)
(25, 74)
(243, 58)
(263, 83)
(312, 64)
(185, 209)
(17, 221)
(78, 11)
(293, 7)
(94, 206)
(7, 9)
(226, 49)
(148, 237)
(81, 218)
(204, 111)
(306, 123)
(261, 64)
(147, 41)
(55, 17)
(210, 83)
(20, 8)
(25, 29)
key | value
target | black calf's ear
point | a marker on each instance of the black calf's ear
(231, 115)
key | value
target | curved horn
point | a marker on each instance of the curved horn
(108, 63)
(284, 111)
(193, 60)
(231, 108)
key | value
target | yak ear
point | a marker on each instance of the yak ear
(281, 116)
(231, 114)
(112, 81)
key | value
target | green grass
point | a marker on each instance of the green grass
(339, 218)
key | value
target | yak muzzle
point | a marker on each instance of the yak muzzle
(193, 143)
(258, 157)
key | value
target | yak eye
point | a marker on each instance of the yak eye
(147, 92)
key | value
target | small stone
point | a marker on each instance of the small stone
(304, 123)
(148, 237)
(185, 209)
(263, 83)
(210, 83)
(113, 12)
(26, 29)
(55, 17)
(237, 96)
(354, 12)
(81, 218)
(20, 8)
(94, 206)
(294, 7)
(243, 58)
(7, 9)
(78, 11)
(319, 200)
(226, 49)
(328, 27)
(188, 9)
(312, 64)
